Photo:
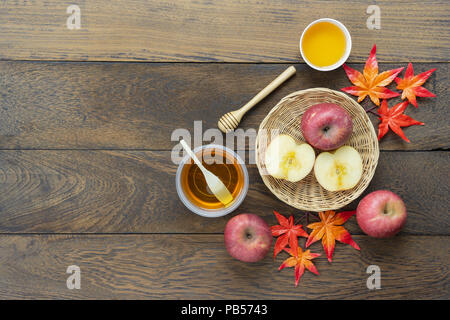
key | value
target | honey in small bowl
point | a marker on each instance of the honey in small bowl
(325, 44)
(192, 187)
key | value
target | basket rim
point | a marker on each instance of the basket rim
(376, 151)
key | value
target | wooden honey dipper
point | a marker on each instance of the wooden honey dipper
(230, 120)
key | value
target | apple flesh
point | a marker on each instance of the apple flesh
(285, 159)
(326, 126)
(247, 237)
(338, 170)
(381, 214)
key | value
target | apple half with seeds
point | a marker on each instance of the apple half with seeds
(338, 170)
(285, 159)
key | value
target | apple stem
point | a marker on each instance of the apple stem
(305, 216)
(371, 110)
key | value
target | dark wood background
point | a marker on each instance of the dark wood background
(86, 118)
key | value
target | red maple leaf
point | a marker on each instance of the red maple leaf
(287, 233)
(394, 119)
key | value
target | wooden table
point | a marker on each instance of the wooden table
(86, 117)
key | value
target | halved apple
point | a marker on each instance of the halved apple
(338, 170)
(285, 159)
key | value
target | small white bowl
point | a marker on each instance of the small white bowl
(212, 213)
(348, 42)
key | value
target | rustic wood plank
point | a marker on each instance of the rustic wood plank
(198, 267)
(134, 191)
(138, 106)
(189, 30)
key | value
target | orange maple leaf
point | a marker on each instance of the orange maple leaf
(300, 260)
(412, 85)
(329, 229)
(395, 119)
(370, 82)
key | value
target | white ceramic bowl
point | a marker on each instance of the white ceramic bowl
(213, 213)
(348, 48)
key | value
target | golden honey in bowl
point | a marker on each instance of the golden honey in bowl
(222, 164)
(323, 44)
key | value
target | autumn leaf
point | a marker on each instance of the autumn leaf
(329, 229)
(300, 260)
(412, 85)
(286, 232)
(394, 119)
(370, 82)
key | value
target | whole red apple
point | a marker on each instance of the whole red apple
(247, 237)
(381, 214)
(326, 126)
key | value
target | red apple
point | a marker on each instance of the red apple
(247, 237)
(326, 126)
(381, 214)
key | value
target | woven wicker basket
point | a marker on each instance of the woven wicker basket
(285, 118)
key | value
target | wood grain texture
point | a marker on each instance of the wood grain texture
(198, 267)
(138, 106)
(233, 30)
(85, 147)
(122, 192)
